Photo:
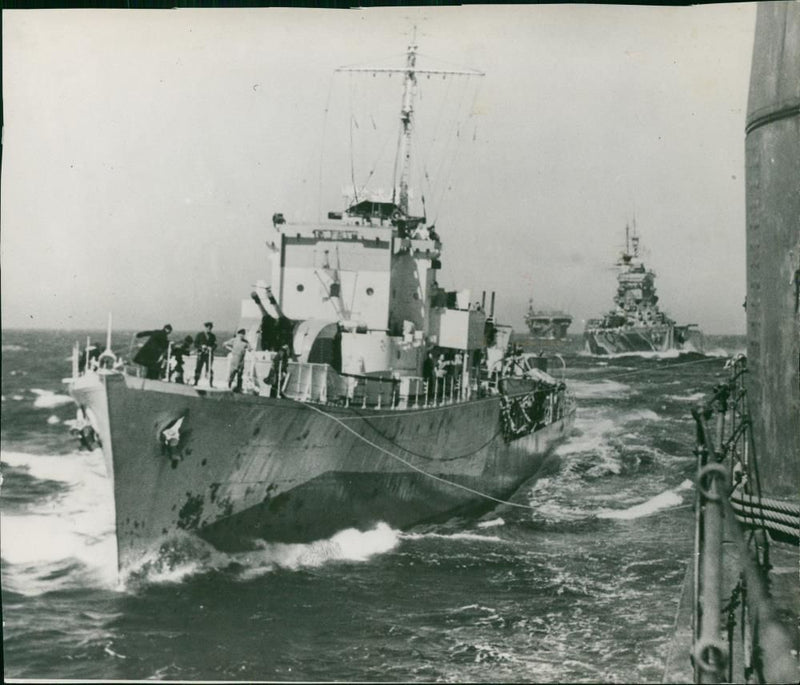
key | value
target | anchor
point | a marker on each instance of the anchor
(170, 438)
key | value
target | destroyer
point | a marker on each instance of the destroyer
(637, 324)
(371, 395)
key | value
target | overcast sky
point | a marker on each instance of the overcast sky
(145, 152)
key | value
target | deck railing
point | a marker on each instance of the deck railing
(737, 636)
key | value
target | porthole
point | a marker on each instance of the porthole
(300, 288)
(370, 291)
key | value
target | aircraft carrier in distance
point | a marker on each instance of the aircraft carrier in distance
(547, 324)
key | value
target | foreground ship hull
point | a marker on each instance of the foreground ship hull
(603, 341)
(250, 468)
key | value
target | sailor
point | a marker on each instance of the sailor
(237, 345)
(429, 374)
(152, 353)
(276, 331)
(178, 353)
(438, 296)
(205, 342)
(92, 354)
(277, 371)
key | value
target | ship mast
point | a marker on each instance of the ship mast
(406, 120)
(410, 73)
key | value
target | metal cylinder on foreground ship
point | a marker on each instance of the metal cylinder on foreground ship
(772, 155)
(738, 614)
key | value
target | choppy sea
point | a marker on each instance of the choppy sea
(582, 586)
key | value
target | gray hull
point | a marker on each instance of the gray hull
(603, 341)
(250, 468)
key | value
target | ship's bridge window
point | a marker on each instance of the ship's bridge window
(370, 291)
(300, 288)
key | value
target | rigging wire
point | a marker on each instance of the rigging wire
(457, 149)
(423, 161)
(322, 146)
(352, 155)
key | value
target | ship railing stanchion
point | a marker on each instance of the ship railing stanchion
(298, 381)
(75, 354)
(380, 392)
(169, 358)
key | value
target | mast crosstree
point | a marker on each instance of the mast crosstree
(409, 72)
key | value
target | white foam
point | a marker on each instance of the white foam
(692, 397)
(590, 436)
(492, 523)
(451, 536)
(346, 545)
(70, 468)
(74, 525)
(13, 348)
(47, 399)
(665, 500)
(641, 415)
(53, 420)
(598, 389)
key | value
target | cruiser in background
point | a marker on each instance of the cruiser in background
(637, 324)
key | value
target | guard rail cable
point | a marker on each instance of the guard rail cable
(729, 500)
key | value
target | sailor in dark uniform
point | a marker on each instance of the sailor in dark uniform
(205, 342)
(153, 351)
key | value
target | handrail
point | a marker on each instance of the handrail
(727, 486)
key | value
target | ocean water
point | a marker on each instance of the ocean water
(582, 586)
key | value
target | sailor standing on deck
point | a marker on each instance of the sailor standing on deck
(152, 353)
(205, 342)
(238, 345)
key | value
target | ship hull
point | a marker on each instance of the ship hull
(633, 339)
(250, 468)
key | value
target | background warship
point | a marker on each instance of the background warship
(637, 324)
(395, 400)
(545, 324)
